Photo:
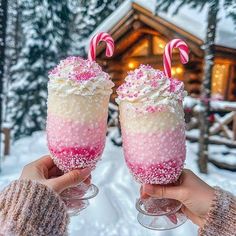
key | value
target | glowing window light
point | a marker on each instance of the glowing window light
(158, 45)
(219, 79)
(131, 65)
(177, 72)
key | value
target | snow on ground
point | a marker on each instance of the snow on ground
(112, 212)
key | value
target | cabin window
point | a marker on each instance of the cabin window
(177, 72)
(219, 80)
(141, 49)
(158, 45)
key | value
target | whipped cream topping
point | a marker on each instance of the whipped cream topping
(151, 89)
(74, 75)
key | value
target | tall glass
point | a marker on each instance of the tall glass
(76, 132)
(154, 150)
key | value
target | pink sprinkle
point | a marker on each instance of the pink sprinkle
(53, 71)
(154, 84)
(151, 109)
(175, 84)
(85, 75)
(80, 69)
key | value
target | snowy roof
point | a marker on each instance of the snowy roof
(190, 20)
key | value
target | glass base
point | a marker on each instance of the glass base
(160, 214)
(76, 198)
(75, 207)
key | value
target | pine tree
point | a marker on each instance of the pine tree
(47, 27)
(45, 40)
(212, 20)
(87, 16)
(12, 47)
(3, 20)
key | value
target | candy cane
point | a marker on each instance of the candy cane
(167, 56)
(95, 41)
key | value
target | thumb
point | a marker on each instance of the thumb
(162, 191)
(70, 179)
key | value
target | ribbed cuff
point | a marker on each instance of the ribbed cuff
(30, 208)
(221, 218)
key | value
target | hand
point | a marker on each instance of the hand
(46, 172)
(195, 195)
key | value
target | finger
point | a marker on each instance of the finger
(54, 172)
(46, 161)
(88, 180)
(70, 179)
(143, 195)
(162, 191)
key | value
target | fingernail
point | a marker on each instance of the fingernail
(148, 188)
(85, 171)
(144, 196)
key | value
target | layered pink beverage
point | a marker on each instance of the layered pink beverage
(78, 96)
(153, 126)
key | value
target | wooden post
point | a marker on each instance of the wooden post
(7, 138)
(234, 127)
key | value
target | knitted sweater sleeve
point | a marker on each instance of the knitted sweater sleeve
(30, 208)
(221, 219)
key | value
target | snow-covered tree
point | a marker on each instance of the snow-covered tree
(12, 47)
(12, 34)
(47, 28)
(45, 40)
(213, 8)
(87, 16)
(3, 20)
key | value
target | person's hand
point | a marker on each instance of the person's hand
(195, 195)
(46, 172)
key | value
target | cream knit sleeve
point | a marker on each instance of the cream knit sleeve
(221, 219)
(28, 208)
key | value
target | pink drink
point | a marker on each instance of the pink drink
(78, 96)
(153, 127)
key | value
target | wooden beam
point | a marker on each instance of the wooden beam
(223, 165)
(234, 126)
(169, 32)
(117, 32)
(212, 140)
(221, 124)
(164, 22)
(225, 52)
(155, 59)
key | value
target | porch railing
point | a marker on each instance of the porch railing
(222, 120)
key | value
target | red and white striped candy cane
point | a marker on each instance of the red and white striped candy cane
(95, 41)
(167, 56)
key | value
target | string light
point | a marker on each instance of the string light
(218, 79)
(179, 70)
(176, 71)
(131, 65)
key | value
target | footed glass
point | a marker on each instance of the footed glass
(154, 150)
(76, 132)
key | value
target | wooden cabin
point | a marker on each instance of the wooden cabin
(140, 38)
